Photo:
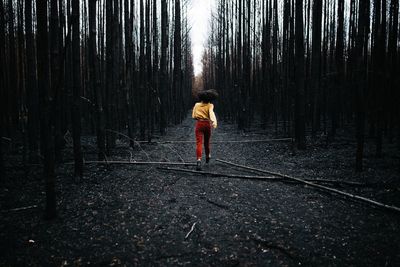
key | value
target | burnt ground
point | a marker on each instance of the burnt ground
(140, 215)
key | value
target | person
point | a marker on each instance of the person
(203, 113)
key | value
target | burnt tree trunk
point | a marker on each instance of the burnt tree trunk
(316, 61)
(31, 83)
(360, 76)
(129, 70)
(45, 102)
(76, 106)
(163, 84)
(339, 65)
(299, 65)
(177, 78)
(109, 76)
(95, 81)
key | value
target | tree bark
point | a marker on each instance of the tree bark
(163, 67)
(110, 89)
(299, 65)
(55, 78)
(13, 69)
(76, 106)
(142, 73)
(45, 102)
(95, 81)
(316, 61)
(31, 83)
(360, 76)
(177, 78)
(339, 64)
(129, 70)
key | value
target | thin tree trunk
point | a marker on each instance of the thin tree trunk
(95, 81)
(31, 84)
(177, 58)
(13, 104)
(339, 60)
(76, 107)
(129, 71)
(149, 74)
(142, 73)
(110, 89)
(299, 101)
(45, 97)
(316, 61)
(55, 78)
(360, 76)
(163, 66)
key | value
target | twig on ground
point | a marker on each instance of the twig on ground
(283, 176)
(22, 208)
(137, 163)
(218, 204)
(335, 182)
(215, 142)
(214, 174)
(191, 230)
(325, 188)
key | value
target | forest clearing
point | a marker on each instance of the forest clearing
(142, 215)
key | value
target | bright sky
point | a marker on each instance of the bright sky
(199, 18)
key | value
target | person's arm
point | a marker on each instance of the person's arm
(213, 118)
(194, 111)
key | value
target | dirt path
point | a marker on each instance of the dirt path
(140, 215)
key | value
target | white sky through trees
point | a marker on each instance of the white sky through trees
(199, 15)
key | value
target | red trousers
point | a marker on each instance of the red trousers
(203, 128)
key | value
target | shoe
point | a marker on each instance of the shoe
(208, 159)
(198, 165)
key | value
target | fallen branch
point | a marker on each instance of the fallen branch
(325, 188)
(283, 176)
(216, 142)
(335, 182)
(137, 163)
(215, 174)
(191, 230)
(222, 206)
(22, 208)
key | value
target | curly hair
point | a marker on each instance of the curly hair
(207, 96)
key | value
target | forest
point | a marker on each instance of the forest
(308, 66)
(101, 67)
(95, 101)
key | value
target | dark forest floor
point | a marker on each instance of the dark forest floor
(140, 215)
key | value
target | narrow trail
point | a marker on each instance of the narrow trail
(141, 215)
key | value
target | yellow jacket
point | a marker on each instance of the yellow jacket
(204, 111)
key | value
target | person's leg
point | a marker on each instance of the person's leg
(207, 138)
(199, 140)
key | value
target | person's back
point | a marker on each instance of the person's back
(204, 111)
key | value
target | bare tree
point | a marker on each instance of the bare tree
(45, 103)
(299, 97)
(76, 106)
